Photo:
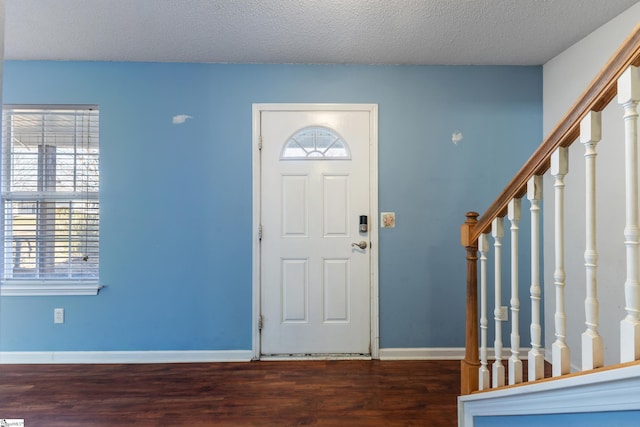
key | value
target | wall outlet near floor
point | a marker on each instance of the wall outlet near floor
(504, 314)
(58, 315)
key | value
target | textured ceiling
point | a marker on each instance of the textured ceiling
(509, 32)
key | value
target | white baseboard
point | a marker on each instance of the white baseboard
(440, 353)
(426, 353)
(99, 357)
(205, 356)
(548, 357)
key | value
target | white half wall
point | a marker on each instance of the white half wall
(605, 391)
(564, 78)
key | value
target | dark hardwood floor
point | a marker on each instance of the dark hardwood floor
(295, 393)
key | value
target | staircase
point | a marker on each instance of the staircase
(502, 386)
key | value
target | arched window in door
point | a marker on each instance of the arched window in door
(315, 143)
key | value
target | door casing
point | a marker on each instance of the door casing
(373, 220)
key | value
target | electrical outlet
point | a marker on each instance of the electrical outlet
(504, 313)
(58, 315)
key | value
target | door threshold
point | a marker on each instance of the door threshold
(332, 356)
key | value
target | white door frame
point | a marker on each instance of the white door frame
(373, 220)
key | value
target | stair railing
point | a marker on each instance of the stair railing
(620, 77)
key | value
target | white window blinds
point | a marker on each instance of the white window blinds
(50, 195)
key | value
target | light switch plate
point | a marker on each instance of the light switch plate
(58, 315)
(388, 219)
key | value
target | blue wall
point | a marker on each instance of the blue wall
(176, 199)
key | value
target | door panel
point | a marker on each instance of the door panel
(337, 287)
(294, 205)
(294, 290)
(336, 205)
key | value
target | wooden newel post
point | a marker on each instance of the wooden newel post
(470, 365)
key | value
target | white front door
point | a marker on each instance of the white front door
(315, 184)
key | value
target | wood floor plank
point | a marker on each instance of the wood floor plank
(292, 393)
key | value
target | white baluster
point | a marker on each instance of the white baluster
(483, 247)
(628, 97)
(592, 344)
(515, 364)
(561, 354)
(497, 231)
(536, 358)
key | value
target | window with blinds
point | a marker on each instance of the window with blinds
(50, 195)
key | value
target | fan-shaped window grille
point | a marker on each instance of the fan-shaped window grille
(315, 143)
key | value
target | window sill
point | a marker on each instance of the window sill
(24, 289)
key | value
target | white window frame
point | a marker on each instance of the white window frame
(50, 286)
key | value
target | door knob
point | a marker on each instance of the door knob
(361, 245)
